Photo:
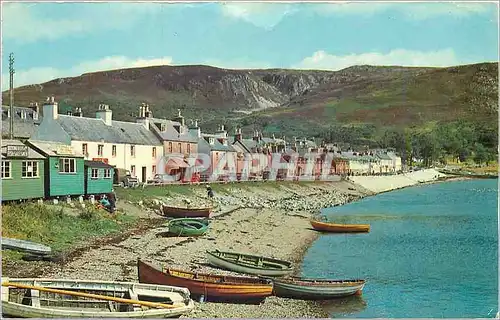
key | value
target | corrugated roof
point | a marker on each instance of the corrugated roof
(32, 154)
(91, 129)
(55, 149)
(96, 164)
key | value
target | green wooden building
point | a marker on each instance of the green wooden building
(64, 168)
(98, 177)
(22, 172)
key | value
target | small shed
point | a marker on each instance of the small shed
(98, 177)
(22, 172)
(64, 168)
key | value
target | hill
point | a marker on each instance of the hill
(292, 102)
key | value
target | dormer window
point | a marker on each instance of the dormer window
(211, 140)
(163, 127)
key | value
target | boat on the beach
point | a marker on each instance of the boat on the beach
(212, 287)
(250, 264)
(315, 289)
(339, 228)
(177, 212)
(60, 298)
(188, 227)
(25, 246)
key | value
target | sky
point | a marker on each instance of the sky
(55, 40)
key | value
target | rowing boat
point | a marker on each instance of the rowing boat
(339, 228)
(177, 212)
(25, 245)
(250, 264)
(211, 287)
(188, 227)
(315, 289)
(60, 298)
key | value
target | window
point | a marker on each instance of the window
(179, 145)
(113, 151)
(94, 174)
(107, 173)
(211, 140)
(132, 151)
(132, 171)
(6, 170)
(154, 152)
(188, 148)
(30, 169)
(85, 149)
(67, 165)
(100, 150)
(170, 147)
(216, 157)
(154, 169)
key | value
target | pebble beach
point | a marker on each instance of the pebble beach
(272, 222)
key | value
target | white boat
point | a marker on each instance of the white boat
(60, 298)
(25, 245)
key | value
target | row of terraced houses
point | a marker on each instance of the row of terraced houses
(151, 146)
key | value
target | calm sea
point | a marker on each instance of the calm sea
(432, 252)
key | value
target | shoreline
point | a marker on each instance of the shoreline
(268, 220)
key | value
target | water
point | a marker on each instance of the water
(432, 251)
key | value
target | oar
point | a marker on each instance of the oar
(89, 295)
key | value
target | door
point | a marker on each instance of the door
(143, 174)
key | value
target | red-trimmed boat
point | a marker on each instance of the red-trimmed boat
(212, 287)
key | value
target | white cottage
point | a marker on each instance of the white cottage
(122, 144)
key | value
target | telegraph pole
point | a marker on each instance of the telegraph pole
(11, 93)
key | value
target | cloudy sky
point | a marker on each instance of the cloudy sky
(52, 40)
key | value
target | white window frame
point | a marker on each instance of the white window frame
(94, 173)
(67, 161)
(100, 150)
(85, 149)
(154, 152)
(107, 173)
(132, 170)
(113, 150)
(6, 164)
(25, 174)
(132, 151)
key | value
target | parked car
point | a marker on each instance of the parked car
(124, 178)
(160, 179)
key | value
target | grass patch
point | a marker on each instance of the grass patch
(55, 228)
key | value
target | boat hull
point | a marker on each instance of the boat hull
(176, 212)
(25, 246)
(188, 227)
(309, 291)
(339, 228)
(211, 287)
(225, 263)
(44, 305)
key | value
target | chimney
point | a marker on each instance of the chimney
(195, 130)
(142, 119)
(50, 109)
(69, 113)
(104, 113)
(179, 118)
(78, 112)
(36, 110)
(237, 134)
(222, 131)
(255, 135)
(147, 112)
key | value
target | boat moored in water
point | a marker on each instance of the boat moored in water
(315, 289)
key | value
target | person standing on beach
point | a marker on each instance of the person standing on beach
(210, 192)
(112, 201)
